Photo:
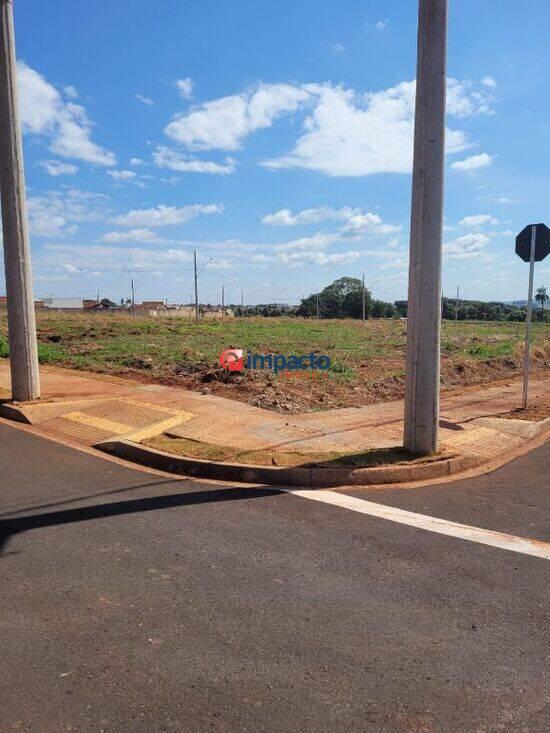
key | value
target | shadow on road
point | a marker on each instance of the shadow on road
(16, 525)
(84, 497)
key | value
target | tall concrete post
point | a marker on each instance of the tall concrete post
(424, 305)
(197, 311)
(21, 319)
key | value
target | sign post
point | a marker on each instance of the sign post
(532, 245)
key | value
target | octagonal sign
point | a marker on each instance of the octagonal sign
(542, 243)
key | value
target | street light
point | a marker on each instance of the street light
(197, 314)
(365, 288)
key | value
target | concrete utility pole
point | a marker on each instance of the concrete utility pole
(25, 380)
(456, 303)
(424, 306)
(223, 302)
(317, 303)
(363, 301)
(196, 286)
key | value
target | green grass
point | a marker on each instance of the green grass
(285, 459)
(369, 358)
(47, 353)
(51, 354)
(491, 350)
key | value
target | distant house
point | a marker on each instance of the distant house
(215, 313)
(153, 305)
(64, 304)
(176, 311)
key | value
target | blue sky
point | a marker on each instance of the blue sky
(276, 139)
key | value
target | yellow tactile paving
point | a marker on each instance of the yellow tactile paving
(100, 423)
(157, 428)
(115, 417)
(154, 406)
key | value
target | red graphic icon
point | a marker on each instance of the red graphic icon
(232, 359)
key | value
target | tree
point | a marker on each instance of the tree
(541, 297)
(341, 299)
(401, 307)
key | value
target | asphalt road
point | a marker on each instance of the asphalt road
(134, 603)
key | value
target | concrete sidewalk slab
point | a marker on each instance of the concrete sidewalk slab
(94, 409)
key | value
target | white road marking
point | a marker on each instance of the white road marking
(536, 548)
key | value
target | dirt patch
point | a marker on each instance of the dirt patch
(536, 412)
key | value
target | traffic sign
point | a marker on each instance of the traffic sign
(542, 242)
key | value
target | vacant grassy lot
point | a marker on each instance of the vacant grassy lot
(367, 363)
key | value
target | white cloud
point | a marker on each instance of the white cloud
(473, 162)
(224, 123)
(133, 235)
(338, 48)
(285, 217)
(307, 257)
(70, 92)
(351, 134)
(58, 212)
(136, 161)
(361, 224)
(478, 220)
(44, 112)
(173, 160)
(162, 215)
(506, 200)
(346, 136)
(357, 223)
(346, 133)
(469, 245)
(144, 100)
(315, 242)
(185, 87)
(380, 25)
(122, 175)
(86, 258)
(400, 263)
(504, 233)
(488, 81)
(58, 168)
(463, 100)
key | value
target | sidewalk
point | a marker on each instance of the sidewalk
(92, 410)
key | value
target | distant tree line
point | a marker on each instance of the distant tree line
(269, 310)
(344, 299)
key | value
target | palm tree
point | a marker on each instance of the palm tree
(541, 297)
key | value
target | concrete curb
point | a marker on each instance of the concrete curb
(524, 428)
(12, 412)
(304, 476)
